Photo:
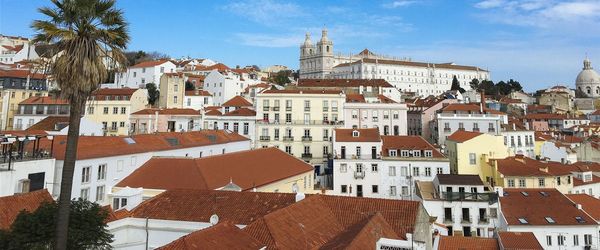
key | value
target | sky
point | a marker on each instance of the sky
(539, 43)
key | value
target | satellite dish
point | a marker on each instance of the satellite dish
(294, 188)
(214, 219)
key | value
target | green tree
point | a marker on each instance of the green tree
(35, 230)
(474, 84)
(153, 93)
(85, 32)
(189, 86)
(456, 85)
(282, 77)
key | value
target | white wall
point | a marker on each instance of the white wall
(568, 231)
(9, 180)
(373, 115)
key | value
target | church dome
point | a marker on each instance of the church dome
(307, 42)
(588, 74)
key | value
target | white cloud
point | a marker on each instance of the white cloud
(400, 3)
(264, 11)
(269, 40)
(490, 4)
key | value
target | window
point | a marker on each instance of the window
(404, 191)
(374, 168)
(343, 168)
(174, 99)
(113, 125)
(115, 110)
(393, 153)
(100, 193)
(427, 171)
(85, 174)
(587, 239)
(119, 203)
(472, 158)
(575, 240)
(344, 189)
(90, 110)
(102, 172)
(105, 110)
(85, 193)
(541, 182)
(392, 171)
(122, 124)
(428, 153)
(288, 149)
(522, 183)
(404, 153)
(246, 125)
(375, 189)
(404, 171)
(392, 190)
(561, 240)
(440, 170)
(511, 182)
(548, 240)
(415, 171)
(306, 105)
(123, 110)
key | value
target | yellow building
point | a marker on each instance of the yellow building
(9, 103)
(258, 170)
(112, 108)
(172, 90)
(522, 172)
(469, 151)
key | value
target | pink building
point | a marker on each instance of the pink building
(153, 120)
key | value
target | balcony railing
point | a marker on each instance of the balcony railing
(448, 219)
(325, 138)
(306, 155)
(447, 130)
(476, 129)
(288, 108)
(325, 109)
(288, 138)
(491, 130)
(306, 138)
(302, 122)
(306, 108)
(359, 174)
(462, 196)
(265, 138)
(265, 108)
(483, 220)
(275, 108)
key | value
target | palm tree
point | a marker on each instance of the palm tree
(85, 33)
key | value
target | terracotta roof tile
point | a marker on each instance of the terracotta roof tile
(298, 91)
(214, 112)
(44, 100)
(90, 147)
(355, 98)
(241, 112)
(363, 234)
(12, 205)
(173, 111)
(247, 169)
(219, 67)
(462, 179)
(589, 204)
(198, 93)
(579, 182)
(147, 64)
(51, 123)
(385, 99)
(364, 135)
(467, 243)
(241, 208)
(518, 240)
(407, 142)
(100, 94)
(237, 101)
(224, 235)
(524, 166)
(461, 136)
(539, 204)
(20, 73)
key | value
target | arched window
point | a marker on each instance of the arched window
(597, 90)
(327, 47)
(386, 130)
(588, 90)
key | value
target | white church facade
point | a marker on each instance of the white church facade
(319, 62)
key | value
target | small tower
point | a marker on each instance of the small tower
(325, 46)
(587, 64)
(307, 48)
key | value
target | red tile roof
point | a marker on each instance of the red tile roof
(224, 235)
(241, 208)
(51, 123)
(19, 73)
(518, 240)
(12, 205)
(461, 136)
(385, 99)
(298, 91)
(173, 111)
(355, 98)
(535, 207)
(364, 135)
(247, 169)
(237, 101)
(100, 94)
(343, 83)
(90, 147)
(579, 182)
(408, 142)
(361, 236)
(524, 166)
(44, 100)
(241, 112)
(199, 93)
(467, 243)
(219, 67)
(215, 112)
(589, 204)
(468, 107)
(147, 64)
(459, 179)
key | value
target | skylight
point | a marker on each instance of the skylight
(550, 220)
(523, 221)
(544, 193)
(129, 140)
(579, 219)
(172, 141)
(524, 193)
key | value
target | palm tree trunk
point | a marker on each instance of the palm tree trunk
(66, 184)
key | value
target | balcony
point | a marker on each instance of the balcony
(303, 122)
(359, 175)
(475, 129)
(288, 138)
(306, 138)
(325, 138)
(288, 108)
(325, 109)
(264, 138)
(460, 196)
(447, 130)
(307, 155)
(306, 109)
(266, 108)
(491, 130)
(483, 220)
(275, 108)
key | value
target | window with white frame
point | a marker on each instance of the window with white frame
(102, 172)
(392, 152)
(85, 193)
(374, 168)
(85, 174)
(404, 171)
(428, 153)
(392, 171)
(440, 170)
(343, 168)
(404, 153)
(472, 158)
(404, 191)
(392, 190)
(511, 182)
(427, 171)
(415, 171)
(100, 193)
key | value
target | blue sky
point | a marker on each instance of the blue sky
(538, 42)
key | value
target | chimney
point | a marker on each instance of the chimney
(578, 206)
(544, 169)
(300, 196)
(482, 104)
(196, 92)
(514, 126)
(520, 158)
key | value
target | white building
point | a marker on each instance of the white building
(462, 203)
(153, 120)
(102, 161)
(556, 221)
(197, 99)
(137, 76)
(36, 108)
(59, 125)
(226, 84)
(519, 140)
(16, 49)
(26, 175)
(423, 78)
(300, 122)
(241, 120)
(468, 117)
(375, 112)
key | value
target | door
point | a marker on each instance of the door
(36, 181)
(171, 126)
(343, 156)
(359, 191)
